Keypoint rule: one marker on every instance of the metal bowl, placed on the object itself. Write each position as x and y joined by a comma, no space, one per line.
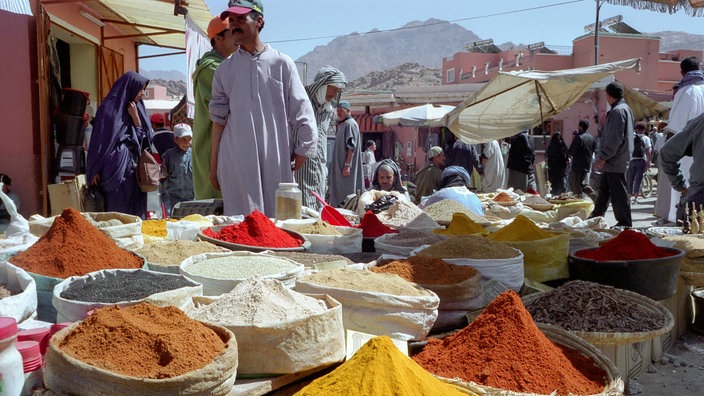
236,246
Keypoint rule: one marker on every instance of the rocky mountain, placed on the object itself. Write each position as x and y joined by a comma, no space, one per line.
424,43
410,55
407,74
670,40
169,75
174,88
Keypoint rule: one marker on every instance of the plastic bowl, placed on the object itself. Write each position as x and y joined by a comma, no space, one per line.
654,278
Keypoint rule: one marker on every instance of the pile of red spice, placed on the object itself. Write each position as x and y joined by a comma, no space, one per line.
74,247
627,245
504,349
255,230
372,227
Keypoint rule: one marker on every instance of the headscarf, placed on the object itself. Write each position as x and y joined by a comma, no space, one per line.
327,75
397,176
454,176
113,130
691,78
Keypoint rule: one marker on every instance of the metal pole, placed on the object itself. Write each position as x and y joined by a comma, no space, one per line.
596,33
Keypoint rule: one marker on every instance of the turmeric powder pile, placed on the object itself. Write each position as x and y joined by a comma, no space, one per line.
461,225
521,229
379,368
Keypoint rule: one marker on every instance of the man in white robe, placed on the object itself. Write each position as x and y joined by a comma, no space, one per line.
263,123
687,104
493,165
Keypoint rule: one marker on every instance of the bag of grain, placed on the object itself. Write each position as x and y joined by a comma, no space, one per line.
221,272
325,238
380,304
284,332
21,304
493,260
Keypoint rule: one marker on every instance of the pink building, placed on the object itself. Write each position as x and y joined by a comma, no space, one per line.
659,71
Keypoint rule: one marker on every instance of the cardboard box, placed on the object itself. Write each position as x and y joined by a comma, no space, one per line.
68,194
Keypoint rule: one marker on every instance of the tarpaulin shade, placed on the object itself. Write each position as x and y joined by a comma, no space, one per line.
691,7
515,101
151,21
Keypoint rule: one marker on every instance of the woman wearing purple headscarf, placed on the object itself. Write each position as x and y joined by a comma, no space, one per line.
121,129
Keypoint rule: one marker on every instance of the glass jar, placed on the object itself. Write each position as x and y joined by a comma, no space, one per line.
288,201
11,368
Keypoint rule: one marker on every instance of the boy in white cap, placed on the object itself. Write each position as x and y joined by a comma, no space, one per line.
178,185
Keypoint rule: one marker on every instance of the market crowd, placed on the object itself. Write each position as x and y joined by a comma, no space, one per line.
256,125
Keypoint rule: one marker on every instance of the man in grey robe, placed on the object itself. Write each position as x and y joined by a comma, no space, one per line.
346,175
324,90
263,122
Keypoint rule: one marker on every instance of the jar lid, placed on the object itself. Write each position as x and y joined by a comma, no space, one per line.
288,184
8,327
31,355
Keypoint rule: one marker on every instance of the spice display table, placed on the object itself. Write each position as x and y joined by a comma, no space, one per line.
262,386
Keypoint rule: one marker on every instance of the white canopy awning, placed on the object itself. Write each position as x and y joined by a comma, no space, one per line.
515,101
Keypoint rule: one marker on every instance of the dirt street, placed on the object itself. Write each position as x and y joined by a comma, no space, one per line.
680,372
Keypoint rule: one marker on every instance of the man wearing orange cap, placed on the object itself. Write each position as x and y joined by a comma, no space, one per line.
223,42
263,122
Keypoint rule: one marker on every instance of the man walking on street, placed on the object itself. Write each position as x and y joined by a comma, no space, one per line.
612,159
582,152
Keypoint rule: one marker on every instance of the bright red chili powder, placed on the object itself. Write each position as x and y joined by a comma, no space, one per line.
255,230
628,245
372,227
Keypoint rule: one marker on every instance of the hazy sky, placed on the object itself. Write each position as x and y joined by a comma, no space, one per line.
296,27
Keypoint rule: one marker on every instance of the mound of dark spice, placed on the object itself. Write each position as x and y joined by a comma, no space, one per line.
124,286
591,307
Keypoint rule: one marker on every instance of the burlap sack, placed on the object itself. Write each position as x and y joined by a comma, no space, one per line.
65,375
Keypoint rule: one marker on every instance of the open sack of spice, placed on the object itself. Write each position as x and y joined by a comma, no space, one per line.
265,315
124,229
376,303
76,296
189,358
325,238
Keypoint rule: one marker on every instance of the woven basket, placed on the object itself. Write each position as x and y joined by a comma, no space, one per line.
614,385
611,338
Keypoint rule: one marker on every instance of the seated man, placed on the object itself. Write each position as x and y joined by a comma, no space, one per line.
387,177
454,185
429,177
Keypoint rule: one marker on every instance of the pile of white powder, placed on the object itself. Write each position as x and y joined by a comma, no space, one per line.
260,302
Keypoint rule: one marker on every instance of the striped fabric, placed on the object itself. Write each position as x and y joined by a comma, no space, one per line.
313,175
16,6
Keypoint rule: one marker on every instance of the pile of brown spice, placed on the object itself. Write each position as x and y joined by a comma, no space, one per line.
426,270
503,198
74,247
143,341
